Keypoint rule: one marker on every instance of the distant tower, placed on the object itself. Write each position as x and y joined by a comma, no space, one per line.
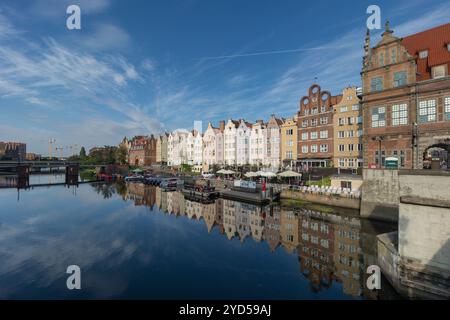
367,51
198,126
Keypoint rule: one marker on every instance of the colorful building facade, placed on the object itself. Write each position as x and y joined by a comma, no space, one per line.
348,131
406,97
315,128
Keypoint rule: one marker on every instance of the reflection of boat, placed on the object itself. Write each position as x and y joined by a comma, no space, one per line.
154,181
202,192
171,183
201,200
134,178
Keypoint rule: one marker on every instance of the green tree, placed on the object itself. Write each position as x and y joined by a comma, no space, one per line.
121,155
82,153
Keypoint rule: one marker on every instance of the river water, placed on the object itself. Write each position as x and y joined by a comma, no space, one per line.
139,242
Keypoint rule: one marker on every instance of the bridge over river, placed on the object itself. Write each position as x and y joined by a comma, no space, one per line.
8,165
20,171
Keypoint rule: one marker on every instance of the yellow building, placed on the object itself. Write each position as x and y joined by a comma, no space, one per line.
289,134
348,131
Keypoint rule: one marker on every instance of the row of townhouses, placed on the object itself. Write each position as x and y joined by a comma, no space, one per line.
402,110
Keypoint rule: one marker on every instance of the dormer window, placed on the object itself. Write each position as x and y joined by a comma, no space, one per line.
438,71
423,54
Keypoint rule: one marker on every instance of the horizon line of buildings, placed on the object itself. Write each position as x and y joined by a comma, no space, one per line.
271,144
402,110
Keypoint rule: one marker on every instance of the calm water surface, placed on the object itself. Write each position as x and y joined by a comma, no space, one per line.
138,242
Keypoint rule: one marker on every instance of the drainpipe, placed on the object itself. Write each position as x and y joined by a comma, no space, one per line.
416,126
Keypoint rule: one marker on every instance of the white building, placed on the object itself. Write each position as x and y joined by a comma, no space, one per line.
213,147
190,147
273,143
177,148
198,151
243,214
230,142
257,138
243,142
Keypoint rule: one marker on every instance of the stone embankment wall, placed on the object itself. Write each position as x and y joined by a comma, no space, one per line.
417,258
380,195
330,200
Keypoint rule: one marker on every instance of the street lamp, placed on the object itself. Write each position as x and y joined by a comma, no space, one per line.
379,139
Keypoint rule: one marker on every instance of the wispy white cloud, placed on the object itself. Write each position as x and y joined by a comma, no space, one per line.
334,64
434,17
46,72
148,64
106,37
267,53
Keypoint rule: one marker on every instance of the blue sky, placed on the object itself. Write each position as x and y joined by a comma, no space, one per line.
141,67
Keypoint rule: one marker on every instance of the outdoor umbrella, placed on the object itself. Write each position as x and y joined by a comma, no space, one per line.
268,174
289,174
251,174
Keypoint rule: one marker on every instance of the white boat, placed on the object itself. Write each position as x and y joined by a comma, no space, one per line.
134,178
171,183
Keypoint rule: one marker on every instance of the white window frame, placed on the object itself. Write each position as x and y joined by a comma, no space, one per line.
428,111
442,73
447,108
375,118
400,114
423,54
324,134
304,136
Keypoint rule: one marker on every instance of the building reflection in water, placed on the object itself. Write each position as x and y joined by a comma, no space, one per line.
329,245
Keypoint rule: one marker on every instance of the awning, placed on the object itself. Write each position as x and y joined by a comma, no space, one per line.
289,174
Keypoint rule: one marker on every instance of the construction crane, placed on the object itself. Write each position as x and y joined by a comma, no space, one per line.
50,149
60,152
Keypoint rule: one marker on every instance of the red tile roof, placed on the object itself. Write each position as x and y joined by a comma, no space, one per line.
434,40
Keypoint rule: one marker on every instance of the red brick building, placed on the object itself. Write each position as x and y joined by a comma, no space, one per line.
316,249
406,97
142,151
13,151
315,128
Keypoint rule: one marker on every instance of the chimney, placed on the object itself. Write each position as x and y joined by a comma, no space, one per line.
222,125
